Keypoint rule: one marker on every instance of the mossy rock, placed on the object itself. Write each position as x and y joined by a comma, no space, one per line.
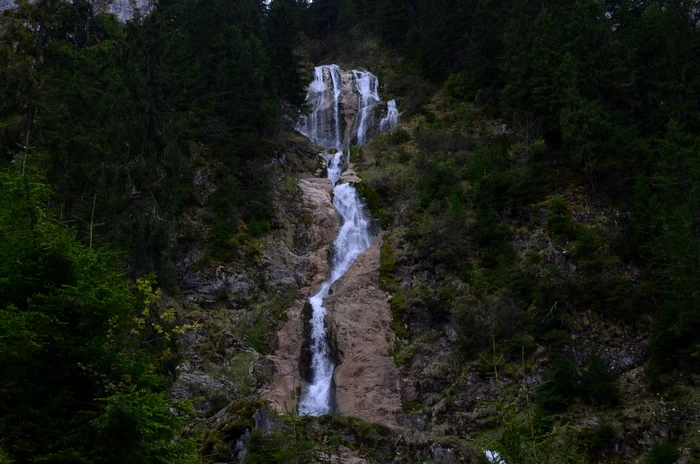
374,204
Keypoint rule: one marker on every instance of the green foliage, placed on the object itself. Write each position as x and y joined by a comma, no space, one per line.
126,114
521,432
83,352
598,383
561,385
387,265
598,441
559,219
572,75
269,448
399,136
662,453
374,203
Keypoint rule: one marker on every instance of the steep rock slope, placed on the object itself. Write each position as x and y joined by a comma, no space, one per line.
359,317
323,222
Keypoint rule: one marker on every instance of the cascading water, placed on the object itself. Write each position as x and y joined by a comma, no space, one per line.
368,87
324,126
391,120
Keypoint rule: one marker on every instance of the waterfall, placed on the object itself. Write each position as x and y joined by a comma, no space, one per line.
325,127
391,120
367,86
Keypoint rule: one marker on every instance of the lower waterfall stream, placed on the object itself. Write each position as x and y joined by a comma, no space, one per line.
326,126
352,240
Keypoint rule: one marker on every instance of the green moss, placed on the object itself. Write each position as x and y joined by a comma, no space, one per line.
356,154
374,203
403,353
398,306
255,336
387,265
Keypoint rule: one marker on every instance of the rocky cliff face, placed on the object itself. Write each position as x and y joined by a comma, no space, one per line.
322,223
352,334
359,317
347,108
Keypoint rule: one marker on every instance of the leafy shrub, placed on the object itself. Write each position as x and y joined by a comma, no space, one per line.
662,453
399,136
386,269
598,383
598,441
438,140
460,87
559,219
275,448
491,317
374,204
561,385
588,245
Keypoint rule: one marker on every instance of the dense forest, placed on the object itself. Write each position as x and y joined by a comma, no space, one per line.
104,126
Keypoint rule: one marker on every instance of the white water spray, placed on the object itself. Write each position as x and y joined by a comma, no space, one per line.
391,120
367,86
325,127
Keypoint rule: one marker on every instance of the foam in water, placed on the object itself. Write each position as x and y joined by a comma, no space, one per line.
323,126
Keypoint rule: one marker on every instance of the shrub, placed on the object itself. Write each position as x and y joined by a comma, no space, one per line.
561,385
436,140
598,441
386,269
399,136
598,383
559,219
662,453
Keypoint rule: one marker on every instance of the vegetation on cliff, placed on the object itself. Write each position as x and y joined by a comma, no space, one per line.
541,196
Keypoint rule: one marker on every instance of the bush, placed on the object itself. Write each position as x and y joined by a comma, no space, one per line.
598,441
399,136
435,140
662,453
387,265
561,385
598,383
559,219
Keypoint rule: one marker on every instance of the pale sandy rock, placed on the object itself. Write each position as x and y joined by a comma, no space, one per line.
349,176
349,101
286,379
324,223
366,378
317,201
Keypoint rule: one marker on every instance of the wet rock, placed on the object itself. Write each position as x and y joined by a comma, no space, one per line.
366,378
321,228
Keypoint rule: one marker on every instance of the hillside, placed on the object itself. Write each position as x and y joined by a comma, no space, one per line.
349,231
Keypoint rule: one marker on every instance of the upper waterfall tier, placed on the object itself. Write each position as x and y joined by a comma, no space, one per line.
346,108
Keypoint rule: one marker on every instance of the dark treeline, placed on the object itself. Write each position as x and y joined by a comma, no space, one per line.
124,112
611,87
103,126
